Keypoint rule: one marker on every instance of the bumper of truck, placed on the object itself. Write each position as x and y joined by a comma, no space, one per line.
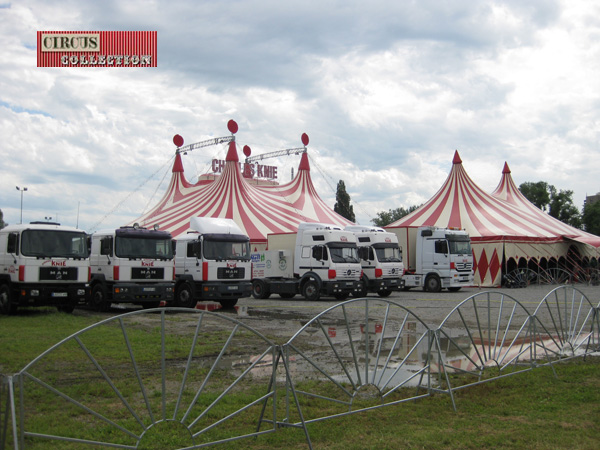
342,287
221,290
50,295
140,293
386,284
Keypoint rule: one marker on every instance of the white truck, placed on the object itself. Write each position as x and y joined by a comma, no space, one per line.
131,264
212,262
381,260
320,259
43,264
436,258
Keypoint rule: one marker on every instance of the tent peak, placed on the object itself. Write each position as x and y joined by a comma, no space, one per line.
456,159
304,162
232,153
506,169
177,165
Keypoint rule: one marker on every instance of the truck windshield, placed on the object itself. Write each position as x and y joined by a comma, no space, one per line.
388,253
461,247
343,253
143,247
220,249
54,244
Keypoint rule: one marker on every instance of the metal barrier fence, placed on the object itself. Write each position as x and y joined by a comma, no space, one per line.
169,375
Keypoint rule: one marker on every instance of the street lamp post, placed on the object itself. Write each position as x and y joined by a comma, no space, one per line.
21,190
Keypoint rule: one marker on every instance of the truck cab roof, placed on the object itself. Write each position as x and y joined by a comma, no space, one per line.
39,226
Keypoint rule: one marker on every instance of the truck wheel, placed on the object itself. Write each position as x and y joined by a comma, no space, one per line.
229,303
184,297
99,300
6,307
260,289
311,290
384,293
432,284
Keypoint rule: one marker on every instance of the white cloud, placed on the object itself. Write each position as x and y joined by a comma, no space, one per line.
386,91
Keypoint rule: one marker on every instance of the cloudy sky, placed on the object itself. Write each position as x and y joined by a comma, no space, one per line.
386,91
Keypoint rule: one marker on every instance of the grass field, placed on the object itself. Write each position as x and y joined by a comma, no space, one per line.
534,410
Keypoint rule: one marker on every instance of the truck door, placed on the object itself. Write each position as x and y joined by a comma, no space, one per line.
441,258
193,259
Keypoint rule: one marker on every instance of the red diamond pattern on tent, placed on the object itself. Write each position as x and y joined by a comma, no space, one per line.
482,265
494,266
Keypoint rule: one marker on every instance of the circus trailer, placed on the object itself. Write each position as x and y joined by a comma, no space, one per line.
381,260
43,264
212,262
320,259
436,258
131,264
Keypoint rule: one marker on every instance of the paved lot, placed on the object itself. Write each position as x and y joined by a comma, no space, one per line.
285,316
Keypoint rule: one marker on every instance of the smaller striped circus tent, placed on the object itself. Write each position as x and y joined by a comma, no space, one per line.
506,229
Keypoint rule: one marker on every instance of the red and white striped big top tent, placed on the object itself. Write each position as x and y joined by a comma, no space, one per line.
258,210
503,225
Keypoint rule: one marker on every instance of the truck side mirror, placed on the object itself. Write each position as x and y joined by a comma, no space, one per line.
106,246
441,247
317,252
371,254
12,246
198,249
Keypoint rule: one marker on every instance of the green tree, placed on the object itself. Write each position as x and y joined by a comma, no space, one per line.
562,207
558,203
386,217
537,193
2,223
342,202
591,218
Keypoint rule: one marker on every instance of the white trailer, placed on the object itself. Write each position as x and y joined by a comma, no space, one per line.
381,260
436,258
43,264
320,259
212,262
131,265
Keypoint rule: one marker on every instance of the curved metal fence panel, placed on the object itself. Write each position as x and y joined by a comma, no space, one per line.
569,323
136,377
357,355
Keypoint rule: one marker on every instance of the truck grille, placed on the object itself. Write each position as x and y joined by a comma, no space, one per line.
147,273
392,272
58,273
348,274
462,267
231,273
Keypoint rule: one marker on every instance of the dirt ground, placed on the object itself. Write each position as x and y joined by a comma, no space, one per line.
281,318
